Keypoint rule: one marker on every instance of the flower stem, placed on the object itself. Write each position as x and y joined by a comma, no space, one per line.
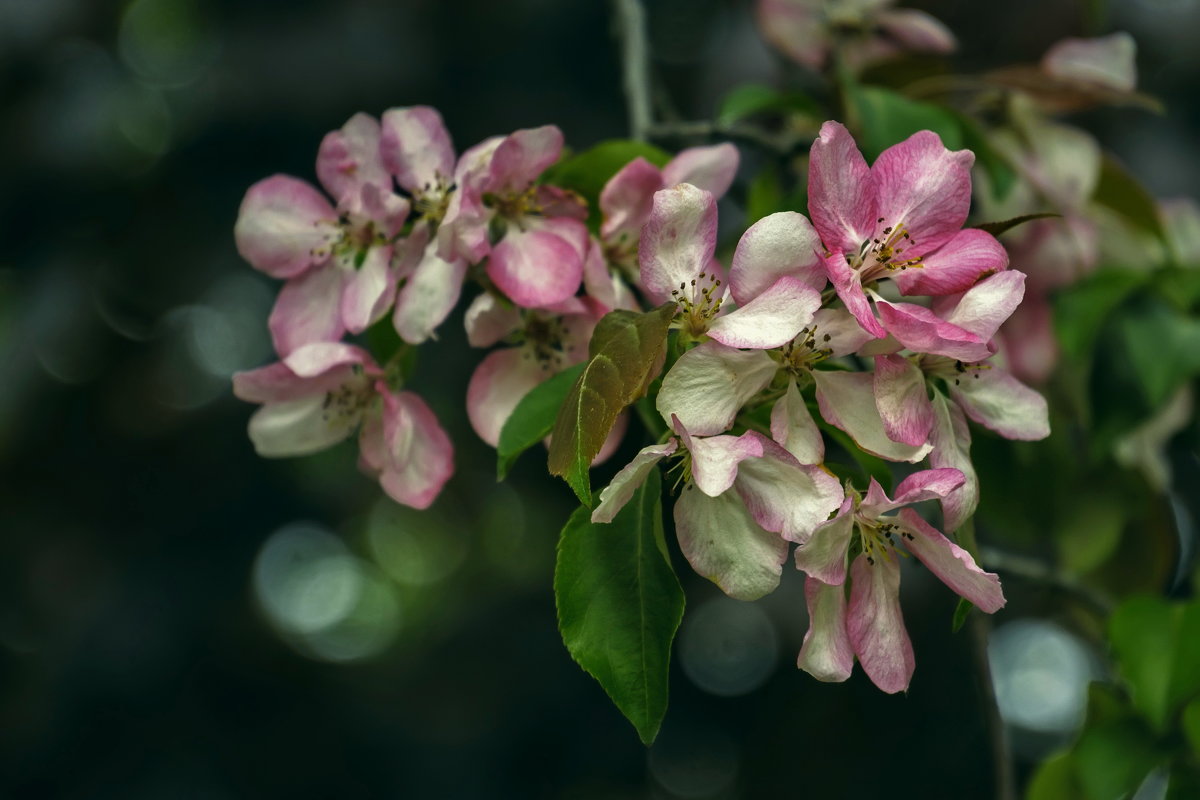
630,20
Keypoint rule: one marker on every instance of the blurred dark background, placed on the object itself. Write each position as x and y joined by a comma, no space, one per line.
181,619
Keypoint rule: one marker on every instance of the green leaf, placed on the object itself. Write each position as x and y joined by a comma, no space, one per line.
765,195
1163,347
961,612
1081,310
997,228
620,604
1055,780
626,353
1090,533
888,118
1113,758
1191,725
533,418
1157,644
1120,191
753,98
587,172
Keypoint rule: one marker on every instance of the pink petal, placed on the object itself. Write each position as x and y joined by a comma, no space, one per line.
421,457
489,319
556,202
275,383
951,440
955,266
299,427
536,267
428,296
826,654
1108,61
497,385
522,157
626,199
784,496
318,358
985,307
349,158
922,331
847,401
925,187
1027,341
839,332
709,168
841,191
954,566
902,400
715,459
463,232
823,556
722,543
778,244
772,319
998,401
875,623
916,30
308,309
416,147
709,384
284,226
793,427
369,292
796,28
618,492
678,240
930,484
848,285
603,285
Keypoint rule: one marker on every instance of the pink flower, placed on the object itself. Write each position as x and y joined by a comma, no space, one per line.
775,277
951,355
321,393
337,262
547,341
901,218
415,147
807,30
744,499
538,258
625,205
872,626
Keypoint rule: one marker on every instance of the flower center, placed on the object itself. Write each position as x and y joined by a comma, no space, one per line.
951,370
346,403
349,242
875,537
699,301
884,254
514,206
433,199
548,340
809,348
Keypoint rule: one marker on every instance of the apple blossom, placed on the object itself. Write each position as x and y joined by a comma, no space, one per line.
321,393
871,626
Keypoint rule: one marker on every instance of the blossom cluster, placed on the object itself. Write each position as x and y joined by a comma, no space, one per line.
885,275
878,317
403,226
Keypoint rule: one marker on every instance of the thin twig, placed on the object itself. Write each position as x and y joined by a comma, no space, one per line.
635,65
997,734
1037,571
